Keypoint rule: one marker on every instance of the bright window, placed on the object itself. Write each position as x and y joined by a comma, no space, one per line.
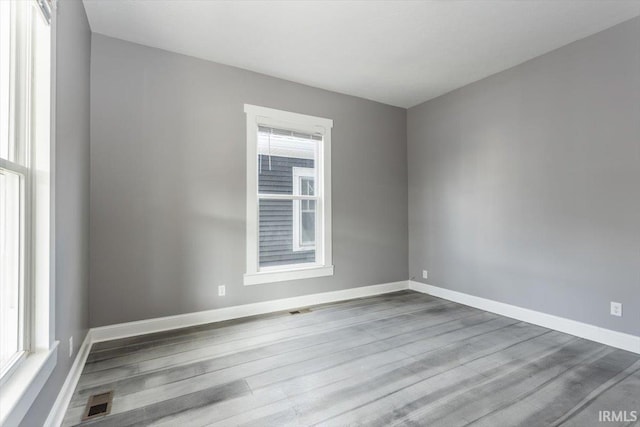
304,211
288,196
25,77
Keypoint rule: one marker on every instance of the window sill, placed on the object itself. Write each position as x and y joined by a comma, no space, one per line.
23,386
284,275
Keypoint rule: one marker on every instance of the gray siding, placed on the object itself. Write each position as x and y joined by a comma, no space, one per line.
276,216
276,177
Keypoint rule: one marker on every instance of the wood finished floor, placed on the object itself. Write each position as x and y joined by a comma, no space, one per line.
397,359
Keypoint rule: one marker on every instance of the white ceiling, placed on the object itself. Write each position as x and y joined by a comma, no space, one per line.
397,52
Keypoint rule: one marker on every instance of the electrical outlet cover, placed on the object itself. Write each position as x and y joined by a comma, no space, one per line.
616,309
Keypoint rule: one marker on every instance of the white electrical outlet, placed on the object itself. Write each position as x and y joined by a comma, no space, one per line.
425,274
70,346
616,309
222,290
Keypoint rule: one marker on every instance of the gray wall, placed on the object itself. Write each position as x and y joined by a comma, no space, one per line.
168,184
524,187
72,197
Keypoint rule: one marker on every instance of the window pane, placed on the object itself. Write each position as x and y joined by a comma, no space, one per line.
308,228
306,186
5,72
279,152
276,235
17,62
10,265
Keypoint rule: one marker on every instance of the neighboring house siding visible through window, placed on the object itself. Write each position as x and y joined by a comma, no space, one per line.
277,216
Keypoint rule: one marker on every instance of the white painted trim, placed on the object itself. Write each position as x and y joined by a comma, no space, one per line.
53,172
583,330
252,194
21,389
59,408
141,327
298,173
302,122
25,383
289,274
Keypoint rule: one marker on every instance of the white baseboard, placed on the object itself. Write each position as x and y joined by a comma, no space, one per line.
122,330
583,330
59,408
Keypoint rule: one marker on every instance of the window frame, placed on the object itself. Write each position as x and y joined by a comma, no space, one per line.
263,116
297,174
18,124
22,383
25,284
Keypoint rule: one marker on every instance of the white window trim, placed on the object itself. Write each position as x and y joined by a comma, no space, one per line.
297,173
298,122
23,385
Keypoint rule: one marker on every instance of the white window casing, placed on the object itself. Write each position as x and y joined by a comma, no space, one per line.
261,116
28,111
299,174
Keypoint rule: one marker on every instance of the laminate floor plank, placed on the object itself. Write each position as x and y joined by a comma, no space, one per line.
312,356
255,325
620,395
547,403
262,319
503,391
445,380
239,330
355,390
246,339
340,365
402,358
215,349
334,380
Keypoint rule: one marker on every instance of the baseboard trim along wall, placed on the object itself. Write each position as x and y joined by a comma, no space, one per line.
59,408
583,330
124,330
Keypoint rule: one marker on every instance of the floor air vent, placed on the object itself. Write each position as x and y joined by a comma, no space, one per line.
98,405
300,311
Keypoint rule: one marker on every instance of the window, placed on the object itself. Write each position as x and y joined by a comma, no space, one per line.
304,211
25,109
288,196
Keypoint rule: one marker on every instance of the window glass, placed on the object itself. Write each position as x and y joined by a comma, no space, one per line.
276,235
279,151
10,266
306,212
286,167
